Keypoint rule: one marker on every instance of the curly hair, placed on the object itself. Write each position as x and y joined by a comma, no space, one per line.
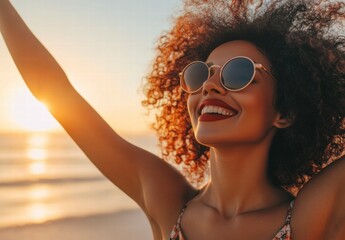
302,40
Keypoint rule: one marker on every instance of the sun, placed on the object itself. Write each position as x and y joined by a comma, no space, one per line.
29,114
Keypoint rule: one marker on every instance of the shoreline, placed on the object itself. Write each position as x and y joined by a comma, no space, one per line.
126,224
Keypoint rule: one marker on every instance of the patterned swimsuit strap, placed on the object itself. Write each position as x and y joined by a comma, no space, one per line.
185,207
288,217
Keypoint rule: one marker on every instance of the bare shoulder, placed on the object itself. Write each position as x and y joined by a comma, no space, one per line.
319,209
165,196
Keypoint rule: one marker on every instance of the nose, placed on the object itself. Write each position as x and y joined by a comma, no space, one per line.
213,83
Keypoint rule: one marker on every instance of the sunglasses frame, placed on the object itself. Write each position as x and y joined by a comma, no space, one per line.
211,65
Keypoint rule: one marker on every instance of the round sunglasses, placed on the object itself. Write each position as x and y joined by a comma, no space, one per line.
235,75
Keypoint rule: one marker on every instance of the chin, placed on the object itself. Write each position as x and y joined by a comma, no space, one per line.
212,138
222,138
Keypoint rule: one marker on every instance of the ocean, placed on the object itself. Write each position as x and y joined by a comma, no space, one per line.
45,176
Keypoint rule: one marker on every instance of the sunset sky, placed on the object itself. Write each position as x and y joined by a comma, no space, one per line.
104,46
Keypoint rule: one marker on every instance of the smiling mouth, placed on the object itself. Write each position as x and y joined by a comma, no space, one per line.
216,110
213,110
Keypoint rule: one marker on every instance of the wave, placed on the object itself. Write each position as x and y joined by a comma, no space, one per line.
51,181
19,161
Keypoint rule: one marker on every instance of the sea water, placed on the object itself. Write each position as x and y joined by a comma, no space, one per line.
46,177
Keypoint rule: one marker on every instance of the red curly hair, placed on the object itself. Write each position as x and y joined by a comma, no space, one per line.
300,39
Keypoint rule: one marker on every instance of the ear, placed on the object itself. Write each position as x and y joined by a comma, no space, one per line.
283,122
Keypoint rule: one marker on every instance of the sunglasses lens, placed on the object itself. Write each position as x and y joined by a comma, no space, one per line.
194,76
237,73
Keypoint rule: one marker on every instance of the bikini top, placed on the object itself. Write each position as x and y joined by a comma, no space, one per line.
284,233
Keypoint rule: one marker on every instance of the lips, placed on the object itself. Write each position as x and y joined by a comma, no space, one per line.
214,110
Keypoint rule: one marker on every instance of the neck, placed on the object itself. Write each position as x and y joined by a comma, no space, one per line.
239,181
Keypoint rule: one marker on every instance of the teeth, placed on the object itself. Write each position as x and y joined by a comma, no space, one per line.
217,110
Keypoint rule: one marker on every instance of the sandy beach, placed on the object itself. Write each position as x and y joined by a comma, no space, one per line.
126,225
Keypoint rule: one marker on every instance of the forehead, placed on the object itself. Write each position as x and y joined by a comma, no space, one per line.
231,49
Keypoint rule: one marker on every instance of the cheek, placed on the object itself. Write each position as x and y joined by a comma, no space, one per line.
191,106
260,109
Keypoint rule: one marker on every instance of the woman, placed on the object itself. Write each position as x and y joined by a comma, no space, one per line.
263,84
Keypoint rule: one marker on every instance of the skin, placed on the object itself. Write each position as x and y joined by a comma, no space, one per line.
239,202
239,146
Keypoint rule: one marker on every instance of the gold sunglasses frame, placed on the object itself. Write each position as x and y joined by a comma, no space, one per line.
210,65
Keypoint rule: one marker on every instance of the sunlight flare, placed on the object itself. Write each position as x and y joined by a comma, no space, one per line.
37,168
36,154
37,212
30,114
39,193
37,140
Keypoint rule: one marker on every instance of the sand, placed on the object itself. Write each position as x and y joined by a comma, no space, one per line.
124,225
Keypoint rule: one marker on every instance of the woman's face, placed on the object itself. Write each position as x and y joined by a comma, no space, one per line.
252,114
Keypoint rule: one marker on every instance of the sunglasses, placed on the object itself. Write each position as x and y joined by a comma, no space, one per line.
235,75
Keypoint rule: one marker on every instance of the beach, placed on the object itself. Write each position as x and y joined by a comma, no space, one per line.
50,190
127,224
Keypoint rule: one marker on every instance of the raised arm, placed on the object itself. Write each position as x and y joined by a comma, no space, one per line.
137,172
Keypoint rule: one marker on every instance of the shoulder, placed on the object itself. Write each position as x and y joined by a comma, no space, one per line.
165,199
319,209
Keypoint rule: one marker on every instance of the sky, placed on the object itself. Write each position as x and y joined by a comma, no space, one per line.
105,47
